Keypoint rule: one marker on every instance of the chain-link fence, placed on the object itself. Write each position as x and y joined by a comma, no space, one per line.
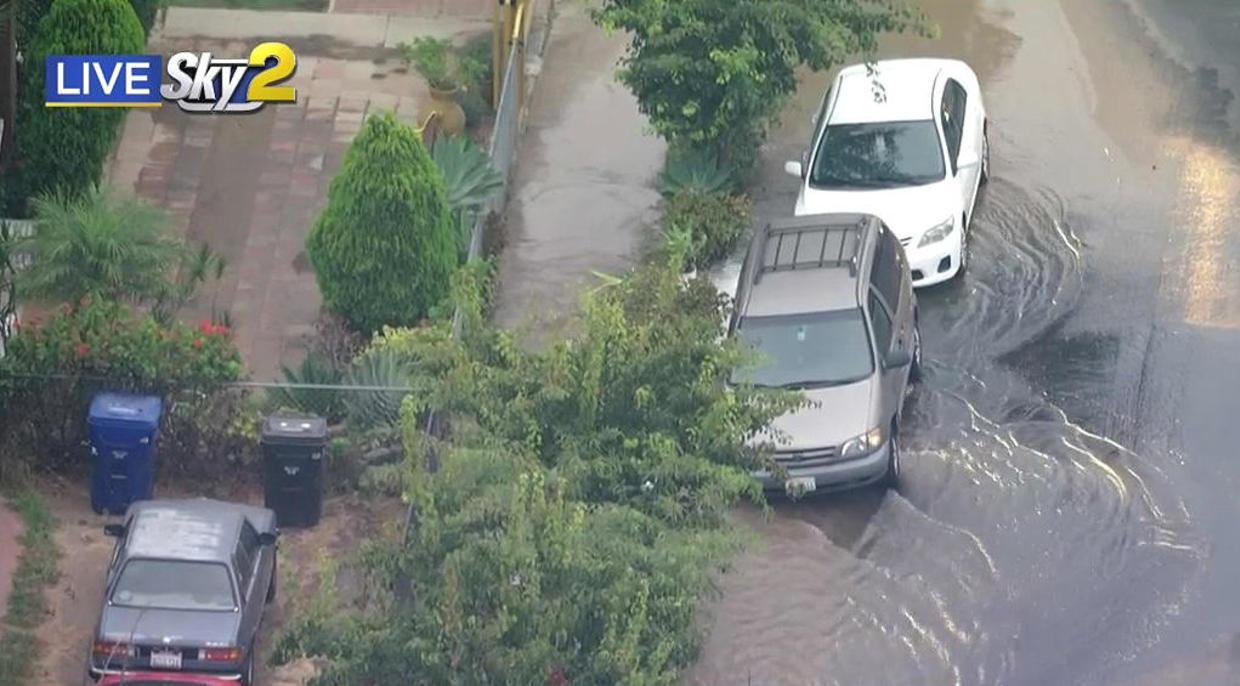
502,150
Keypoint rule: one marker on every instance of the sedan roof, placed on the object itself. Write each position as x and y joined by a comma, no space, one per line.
899,90
195,529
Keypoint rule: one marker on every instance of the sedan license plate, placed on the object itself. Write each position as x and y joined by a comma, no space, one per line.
168,660
801,484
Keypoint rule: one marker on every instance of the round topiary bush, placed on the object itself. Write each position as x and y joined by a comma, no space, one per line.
383,250
64,149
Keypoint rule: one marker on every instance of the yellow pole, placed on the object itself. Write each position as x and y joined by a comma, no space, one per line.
518,39
497,53
510,11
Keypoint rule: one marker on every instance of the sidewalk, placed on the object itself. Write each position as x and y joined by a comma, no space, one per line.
307,30
582,195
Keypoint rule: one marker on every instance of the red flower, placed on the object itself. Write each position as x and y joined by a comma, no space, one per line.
204,326
197,342
82,349
84,301
556,677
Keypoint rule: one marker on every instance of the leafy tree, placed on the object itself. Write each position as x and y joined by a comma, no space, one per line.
714,74
63,149
577,519
116,248
383,249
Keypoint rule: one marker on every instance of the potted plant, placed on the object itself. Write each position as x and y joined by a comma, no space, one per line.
435,60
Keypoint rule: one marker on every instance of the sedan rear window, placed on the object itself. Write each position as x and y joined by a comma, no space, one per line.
881,155
174,585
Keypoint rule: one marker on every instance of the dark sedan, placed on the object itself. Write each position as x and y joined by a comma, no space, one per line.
186,589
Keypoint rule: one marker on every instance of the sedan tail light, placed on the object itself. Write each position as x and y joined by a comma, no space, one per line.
110,649
229,654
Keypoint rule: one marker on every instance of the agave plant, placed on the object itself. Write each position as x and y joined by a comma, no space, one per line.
696,168
471,180
467,172
375,408
322,402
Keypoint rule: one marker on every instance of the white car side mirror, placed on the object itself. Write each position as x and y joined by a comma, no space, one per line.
794,168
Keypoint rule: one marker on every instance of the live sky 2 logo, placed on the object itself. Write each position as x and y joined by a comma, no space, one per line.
198,82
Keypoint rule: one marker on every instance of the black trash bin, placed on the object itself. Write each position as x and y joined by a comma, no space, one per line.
293,449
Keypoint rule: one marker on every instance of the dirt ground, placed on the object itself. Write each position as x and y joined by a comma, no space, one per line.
10,532
74,601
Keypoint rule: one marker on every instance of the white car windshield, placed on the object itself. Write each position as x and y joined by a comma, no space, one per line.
807,350
879,155
174,585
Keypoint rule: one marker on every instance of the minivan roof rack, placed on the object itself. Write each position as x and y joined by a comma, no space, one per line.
811,242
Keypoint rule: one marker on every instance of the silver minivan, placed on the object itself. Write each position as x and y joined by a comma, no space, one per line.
828,302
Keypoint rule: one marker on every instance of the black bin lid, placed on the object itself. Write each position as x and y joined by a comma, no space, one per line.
294,430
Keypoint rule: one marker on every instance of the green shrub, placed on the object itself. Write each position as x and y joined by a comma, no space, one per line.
147,11
96,244
476,69
698,168
53,369
59,148
435,60
516,581
37,568
713,223
314,369
715,74
383,249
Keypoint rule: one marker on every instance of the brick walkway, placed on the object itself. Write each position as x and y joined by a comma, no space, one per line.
251,185
418,8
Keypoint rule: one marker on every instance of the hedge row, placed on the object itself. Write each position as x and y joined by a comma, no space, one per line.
65,149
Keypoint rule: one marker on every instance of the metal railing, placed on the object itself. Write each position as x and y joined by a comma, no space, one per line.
502,149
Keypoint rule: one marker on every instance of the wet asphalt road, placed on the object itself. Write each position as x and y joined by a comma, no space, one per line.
1071,504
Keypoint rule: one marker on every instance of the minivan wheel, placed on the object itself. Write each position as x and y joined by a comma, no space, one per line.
892,479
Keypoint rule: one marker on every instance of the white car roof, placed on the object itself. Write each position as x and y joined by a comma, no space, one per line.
908,87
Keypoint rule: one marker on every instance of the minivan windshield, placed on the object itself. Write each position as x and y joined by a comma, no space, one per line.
807,350
879,155
174,585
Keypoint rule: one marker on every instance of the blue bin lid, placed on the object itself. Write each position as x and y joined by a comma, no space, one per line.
126,408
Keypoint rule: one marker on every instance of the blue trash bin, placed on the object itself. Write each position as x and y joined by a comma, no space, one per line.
123,431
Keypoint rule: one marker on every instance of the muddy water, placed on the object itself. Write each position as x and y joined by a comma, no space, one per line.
1030,542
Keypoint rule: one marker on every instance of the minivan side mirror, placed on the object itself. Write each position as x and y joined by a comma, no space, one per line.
266,538
794,168
116,530
898,358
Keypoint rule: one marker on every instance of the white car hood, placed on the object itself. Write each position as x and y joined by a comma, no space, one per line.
907,211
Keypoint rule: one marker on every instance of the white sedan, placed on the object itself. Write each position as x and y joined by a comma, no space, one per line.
907,143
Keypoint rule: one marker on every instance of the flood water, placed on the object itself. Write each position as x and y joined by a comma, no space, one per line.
1067,501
